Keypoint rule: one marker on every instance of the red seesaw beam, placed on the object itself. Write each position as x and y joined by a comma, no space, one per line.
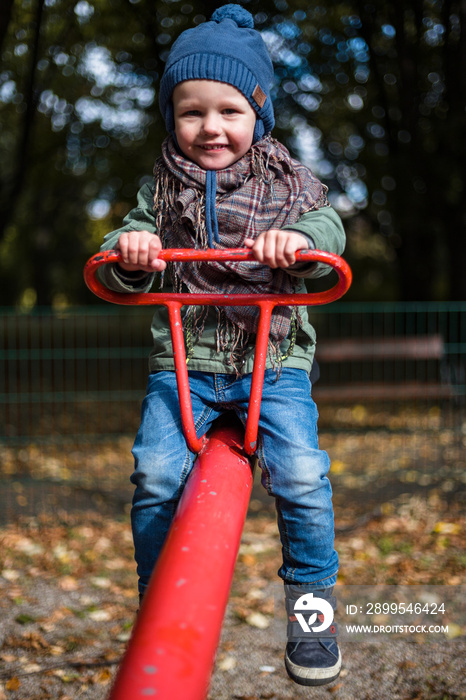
173,645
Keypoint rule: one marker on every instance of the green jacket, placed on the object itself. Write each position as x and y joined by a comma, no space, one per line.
322,228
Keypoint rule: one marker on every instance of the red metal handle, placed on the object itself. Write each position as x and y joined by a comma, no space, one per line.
265,302
213,255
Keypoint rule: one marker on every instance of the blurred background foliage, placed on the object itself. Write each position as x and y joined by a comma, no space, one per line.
370,95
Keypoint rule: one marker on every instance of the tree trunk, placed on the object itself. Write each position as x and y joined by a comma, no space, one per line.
11,190
456,236
6,7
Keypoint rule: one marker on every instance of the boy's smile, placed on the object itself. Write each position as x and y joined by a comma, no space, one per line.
214,123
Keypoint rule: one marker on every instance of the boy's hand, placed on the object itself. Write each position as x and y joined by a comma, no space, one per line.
140,250
277,248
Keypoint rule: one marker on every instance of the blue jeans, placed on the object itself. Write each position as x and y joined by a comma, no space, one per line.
293,467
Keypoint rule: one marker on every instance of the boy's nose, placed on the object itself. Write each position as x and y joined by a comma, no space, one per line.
211,124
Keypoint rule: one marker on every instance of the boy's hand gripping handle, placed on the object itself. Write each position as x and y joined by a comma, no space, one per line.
266,303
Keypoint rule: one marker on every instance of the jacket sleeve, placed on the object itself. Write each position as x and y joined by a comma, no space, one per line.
141,218
324,230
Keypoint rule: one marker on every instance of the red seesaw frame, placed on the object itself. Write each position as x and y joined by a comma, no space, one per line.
173,644
265,302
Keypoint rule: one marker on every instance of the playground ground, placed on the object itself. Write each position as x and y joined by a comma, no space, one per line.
67,580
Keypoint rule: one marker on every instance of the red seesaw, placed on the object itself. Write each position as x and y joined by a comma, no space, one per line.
172,648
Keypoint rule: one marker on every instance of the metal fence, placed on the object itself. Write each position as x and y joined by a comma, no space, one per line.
72,375
80,374
71,384
393,352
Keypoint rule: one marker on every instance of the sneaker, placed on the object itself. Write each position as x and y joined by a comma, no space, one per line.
317,662
311,658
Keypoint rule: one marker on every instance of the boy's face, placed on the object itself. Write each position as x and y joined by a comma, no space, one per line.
214,123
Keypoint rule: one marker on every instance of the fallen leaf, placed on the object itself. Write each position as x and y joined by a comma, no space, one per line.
335,688
248,559
32,640
27,546
101,582
103,677
447,528
123,637
100,615
24,619
65,676
11,574
13,683
454,630
338,467
259,620
227,663
68,583
31,668
57,650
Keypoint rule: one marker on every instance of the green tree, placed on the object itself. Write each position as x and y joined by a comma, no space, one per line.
371,95
76,107
383,84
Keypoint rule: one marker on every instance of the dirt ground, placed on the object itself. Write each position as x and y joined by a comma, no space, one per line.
67,579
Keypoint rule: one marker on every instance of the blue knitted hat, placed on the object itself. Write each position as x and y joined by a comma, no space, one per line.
227,49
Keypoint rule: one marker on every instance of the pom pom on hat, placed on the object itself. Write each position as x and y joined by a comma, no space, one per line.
238,14
227,49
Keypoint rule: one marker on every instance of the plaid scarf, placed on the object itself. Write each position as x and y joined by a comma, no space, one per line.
265,189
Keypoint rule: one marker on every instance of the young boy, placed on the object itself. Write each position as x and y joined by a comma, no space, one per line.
223,182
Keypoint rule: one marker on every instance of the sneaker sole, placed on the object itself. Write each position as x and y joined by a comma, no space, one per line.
313,676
